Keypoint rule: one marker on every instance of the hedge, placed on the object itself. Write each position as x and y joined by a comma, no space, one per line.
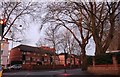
118,57
104,58
89,59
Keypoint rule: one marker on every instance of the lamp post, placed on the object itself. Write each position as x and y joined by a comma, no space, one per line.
65,58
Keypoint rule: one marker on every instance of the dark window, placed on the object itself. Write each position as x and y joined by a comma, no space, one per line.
42,59
16,62
23,57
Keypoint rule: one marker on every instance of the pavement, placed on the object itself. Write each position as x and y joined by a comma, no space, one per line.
52,73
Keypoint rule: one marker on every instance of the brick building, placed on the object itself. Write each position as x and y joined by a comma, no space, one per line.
71,59
34,57
24,54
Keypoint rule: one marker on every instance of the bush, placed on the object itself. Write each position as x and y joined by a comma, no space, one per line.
103,59
100,59
118,57
89,59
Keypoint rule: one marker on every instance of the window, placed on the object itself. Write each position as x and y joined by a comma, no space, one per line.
28,59
34,59
24,53
23,62
38,59
45,54
28,53
23,57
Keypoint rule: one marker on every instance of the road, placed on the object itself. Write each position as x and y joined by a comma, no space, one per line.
53,73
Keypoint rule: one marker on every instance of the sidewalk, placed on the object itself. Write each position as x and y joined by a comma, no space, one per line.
49,72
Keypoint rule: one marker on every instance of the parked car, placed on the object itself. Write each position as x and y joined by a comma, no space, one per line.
16,66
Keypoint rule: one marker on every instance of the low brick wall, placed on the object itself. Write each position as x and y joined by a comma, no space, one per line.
45,67
104,69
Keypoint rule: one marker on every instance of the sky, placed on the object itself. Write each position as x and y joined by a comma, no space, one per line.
32,35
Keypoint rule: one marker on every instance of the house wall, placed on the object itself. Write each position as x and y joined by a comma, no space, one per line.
15,55
73,60
57,60
5,54
62,59
30,57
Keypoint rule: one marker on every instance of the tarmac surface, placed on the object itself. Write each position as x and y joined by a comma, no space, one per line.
52,73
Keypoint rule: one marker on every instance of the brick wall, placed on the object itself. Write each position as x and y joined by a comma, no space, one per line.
104,69
15,55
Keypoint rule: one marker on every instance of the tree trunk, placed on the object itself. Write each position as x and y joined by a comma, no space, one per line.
84,64
98,49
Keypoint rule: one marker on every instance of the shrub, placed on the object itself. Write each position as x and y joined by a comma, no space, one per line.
103,59
118,57
89,59
100,59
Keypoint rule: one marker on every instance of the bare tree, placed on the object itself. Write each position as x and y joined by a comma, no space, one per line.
69,16
103,21
52,37
41,42
115,43
14,11
69,44
92,17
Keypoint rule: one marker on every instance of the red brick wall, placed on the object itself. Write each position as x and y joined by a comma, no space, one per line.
15,55
104,69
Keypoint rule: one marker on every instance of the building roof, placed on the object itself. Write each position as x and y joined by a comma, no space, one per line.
114,51
40,50
62,54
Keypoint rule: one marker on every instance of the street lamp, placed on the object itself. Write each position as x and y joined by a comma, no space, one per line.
65,58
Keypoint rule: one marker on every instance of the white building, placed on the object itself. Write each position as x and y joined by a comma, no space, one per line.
5,54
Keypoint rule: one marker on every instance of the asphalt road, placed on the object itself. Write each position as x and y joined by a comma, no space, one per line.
53,73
